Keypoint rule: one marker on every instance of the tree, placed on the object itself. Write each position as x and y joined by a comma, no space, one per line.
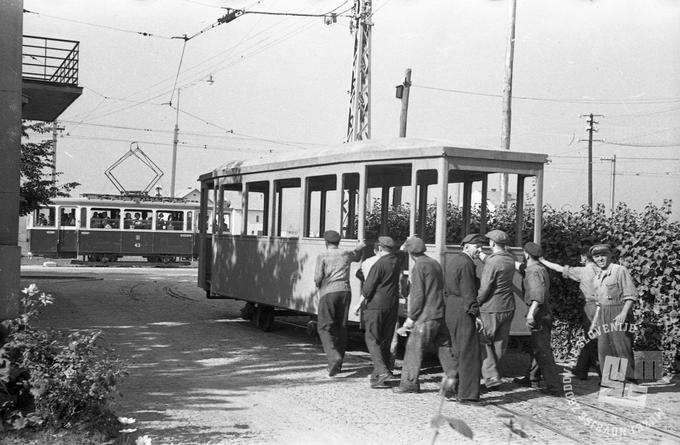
37,187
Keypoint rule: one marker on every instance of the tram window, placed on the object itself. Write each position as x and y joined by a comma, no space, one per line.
350,203
67,216
44,217
104,218
169,219
190,226
385,213
258,201
464,209
207,222
426,206
287,207
322,210
229,202
137,219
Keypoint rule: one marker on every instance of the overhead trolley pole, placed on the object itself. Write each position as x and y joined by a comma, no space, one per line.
359,122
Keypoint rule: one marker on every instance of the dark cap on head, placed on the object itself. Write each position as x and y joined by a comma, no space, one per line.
386,241
533,249
331,236
414,245
498,236
473,238
600,249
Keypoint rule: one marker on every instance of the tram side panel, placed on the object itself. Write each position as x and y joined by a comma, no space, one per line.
136,243
176,244
68,243
43,241
93,242
276,272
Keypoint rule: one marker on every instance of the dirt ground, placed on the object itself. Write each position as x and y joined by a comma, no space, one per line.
200,374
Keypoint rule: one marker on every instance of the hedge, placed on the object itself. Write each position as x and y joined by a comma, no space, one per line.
647,242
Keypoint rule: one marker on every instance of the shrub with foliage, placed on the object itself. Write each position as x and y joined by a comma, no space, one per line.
53,378
647,242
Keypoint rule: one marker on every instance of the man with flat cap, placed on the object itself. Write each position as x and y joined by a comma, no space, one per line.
381,306
462,312
332,279
496,305
616,293
425,318
536,289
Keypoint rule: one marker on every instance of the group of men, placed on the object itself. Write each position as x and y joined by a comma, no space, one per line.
466,318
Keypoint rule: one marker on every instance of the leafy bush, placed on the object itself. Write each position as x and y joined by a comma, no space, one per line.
53,378
647,243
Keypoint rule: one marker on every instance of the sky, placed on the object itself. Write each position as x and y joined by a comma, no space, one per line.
266,84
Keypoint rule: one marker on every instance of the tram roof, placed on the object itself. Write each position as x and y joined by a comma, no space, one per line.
104,200
371,151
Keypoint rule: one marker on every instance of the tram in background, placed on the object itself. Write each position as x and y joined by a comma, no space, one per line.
356,189
108,227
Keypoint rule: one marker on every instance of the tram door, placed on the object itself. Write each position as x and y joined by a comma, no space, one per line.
66,233
43,233
205,220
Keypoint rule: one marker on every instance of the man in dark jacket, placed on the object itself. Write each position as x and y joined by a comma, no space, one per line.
381,294
425,318
496,305
462,312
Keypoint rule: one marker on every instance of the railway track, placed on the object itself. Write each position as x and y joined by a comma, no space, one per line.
178,264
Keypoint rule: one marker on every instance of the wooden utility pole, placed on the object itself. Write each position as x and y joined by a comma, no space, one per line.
612,159
403,93
507,94
591,128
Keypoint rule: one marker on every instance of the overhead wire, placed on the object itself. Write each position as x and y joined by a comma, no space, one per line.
559,100
111,28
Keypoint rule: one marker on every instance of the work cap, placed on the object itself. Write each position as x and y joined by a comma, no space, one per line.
386,241
600,249
331,236
414,245
473,238
498,236
533,249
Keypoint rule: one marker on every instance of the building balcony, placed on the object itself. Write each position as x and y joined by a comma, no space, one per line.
49,77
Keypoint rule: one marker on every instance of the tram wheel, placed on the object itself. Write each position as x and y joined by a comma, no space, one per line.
265,317
166,259
312,331
248,311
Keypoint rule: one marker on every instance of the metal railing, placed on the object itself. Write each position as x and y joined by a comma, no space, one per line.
50,60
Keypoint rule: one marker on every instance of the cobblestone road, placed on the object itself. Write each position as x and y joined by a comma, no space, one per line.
201,375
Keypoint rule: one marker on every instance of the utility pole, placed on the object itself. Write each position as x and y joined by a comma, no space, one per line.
591,128
507,94
403,93
55,129
612,159
359,122
175,141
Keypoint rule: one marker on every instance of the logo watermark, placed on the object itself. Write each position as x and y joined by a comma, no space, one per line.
615,389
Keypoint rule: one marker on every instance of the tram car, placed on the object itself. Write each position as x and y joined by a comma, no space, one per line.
364,189
106,228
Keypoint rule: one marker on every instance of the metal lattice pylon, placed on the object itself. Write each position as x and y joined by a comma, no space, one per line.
359,124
